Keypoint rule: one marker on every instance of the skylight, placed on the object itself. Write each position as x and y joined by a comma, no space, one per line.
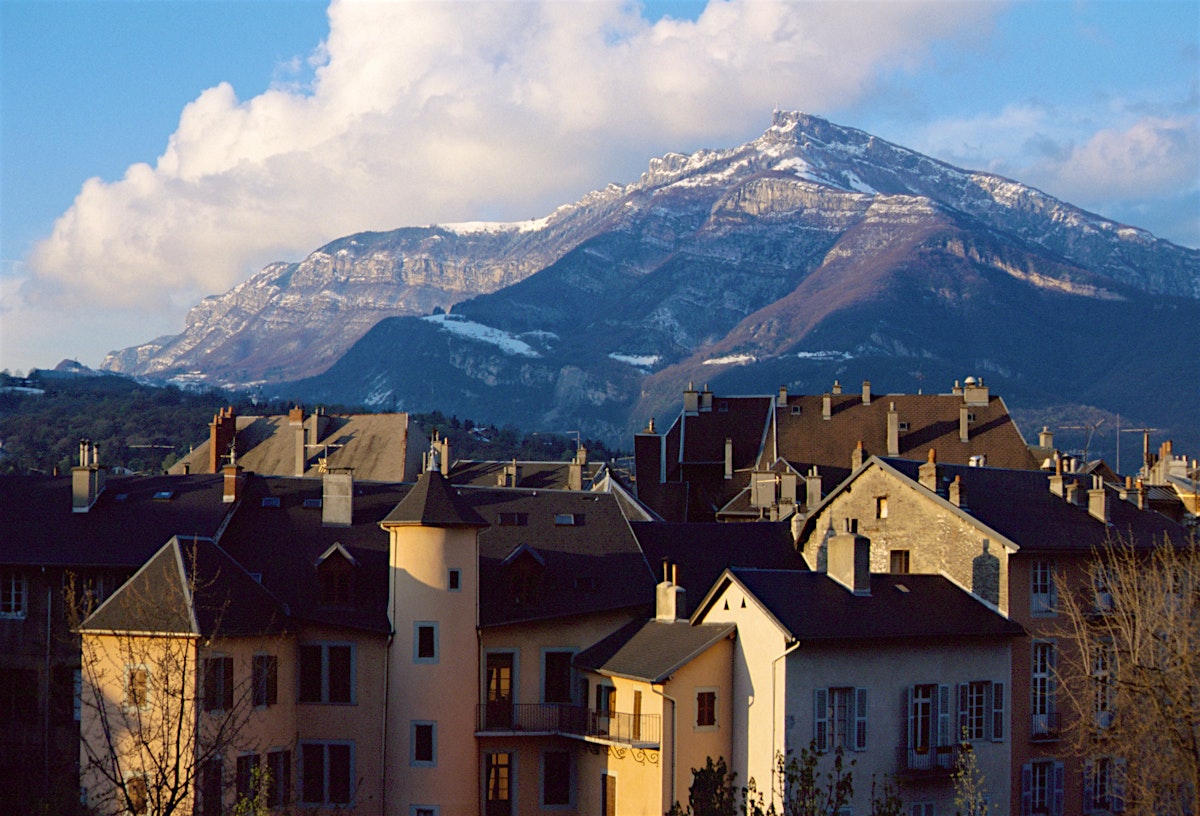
164,495
270,501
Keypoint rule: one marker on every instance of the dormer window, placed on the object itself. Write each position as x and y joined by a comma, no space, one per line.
525,568
568,519
514,519
270,501
335,577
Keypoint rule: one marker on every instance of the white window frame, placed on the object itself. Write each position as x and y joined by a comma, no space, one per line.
14,595
825,718
981,711
1043,685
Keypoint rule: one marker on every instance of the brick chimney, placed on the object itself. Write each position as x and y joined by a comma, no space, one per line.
826,406
87,478
893,431
221,434
670,598
927,473
231,482
1098,500
337,498
866,392
957,493
848,559
964,423
812,485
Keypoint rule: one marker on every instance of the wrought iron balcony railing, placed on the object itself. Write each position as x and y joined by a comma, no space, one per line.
568,720
936,760
1044,727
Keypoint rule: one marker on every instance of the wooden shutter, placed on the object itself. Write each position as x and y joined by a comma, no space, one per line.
1027,789
821,718
1056,803
944,735
997,712
1089,786
860,719
964,708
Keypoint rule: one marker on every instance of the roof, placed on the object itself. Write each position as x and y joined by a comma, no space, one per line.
1018,505
190,587
375,446
285,543
812,606
125,526
590,560
651,650
433,502
702,551
534,475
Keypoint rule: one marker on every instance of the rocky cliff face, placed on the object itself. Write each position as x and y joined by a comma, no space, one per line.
811,252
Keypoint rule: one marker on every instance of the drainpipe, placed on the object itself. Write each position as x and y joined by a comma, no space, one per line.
674,734
46,697
774,712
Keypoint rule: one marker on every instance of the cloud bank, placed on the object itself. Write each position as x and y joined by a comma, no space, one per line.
431,111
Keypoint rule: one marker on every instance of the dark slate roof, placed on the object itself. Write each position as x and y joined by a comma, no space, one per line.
1018,504
124,527
651,650
812,606
433,502
534,475
702,551
805,438
590,566
190,586
284,543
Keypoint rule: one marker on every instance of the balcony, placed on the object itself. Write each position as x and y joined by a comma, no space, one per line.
562,719
1044,727
935,762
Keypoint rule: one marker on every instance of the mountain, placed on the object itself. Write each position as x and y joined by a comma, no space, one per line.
813,252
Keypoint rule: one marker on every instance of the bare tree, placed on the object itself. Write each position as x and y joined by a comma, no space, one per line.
1132,675
162,705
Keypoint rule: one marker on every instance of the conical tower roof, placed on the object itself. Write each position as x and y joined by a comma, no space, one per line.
434,502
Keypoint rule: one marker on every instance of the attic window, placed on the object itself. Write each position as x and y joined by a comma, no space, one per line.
526,583
722,407
568,519
164,495
121,497
903,426
336,579
970,417
270,501
796,409
313,503
514,519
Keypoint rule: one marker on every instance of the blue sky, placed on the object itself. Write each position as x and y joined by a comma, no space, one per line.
152,153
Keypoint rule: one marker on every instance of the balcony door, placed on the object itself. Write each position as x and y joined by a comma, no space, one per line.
498,784
499,672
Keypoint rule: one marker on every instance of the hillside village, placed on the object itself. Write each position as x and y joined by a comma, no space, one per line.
332,613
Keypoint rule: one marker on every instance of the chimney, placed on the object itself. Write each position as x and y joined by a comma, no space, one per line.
866,392
575,475
728,458
1072,488
964,421
893,431
221,433
958,493
705,400
787,488
87,478
444,464
691,400
837,387
1056,481
812,484
337,498
1046,438
1141,494
1126,489
781,402
231,481
927,473
670,598
848,559
826,406
581,454
1098,500
300,453
512,475
974,391
957,390
858,456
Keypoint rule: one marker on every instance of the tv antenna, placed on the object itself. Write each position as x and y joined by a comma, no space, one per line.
1145,432
1090,427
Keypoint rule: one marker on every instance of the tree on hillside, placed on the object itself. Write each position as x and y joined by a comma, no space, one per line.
1133,676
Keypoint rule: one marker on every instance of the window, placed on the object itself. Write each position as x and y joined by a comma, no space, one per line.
881,507
270,501
556,677
246,782
1042,789
556,779
929,717
454,580
514,519
423,742
266,680
1104,786
326,773
606,699
137,686
1103,687
326,673
525,580
840,718
14,594
279,785
1043,689
922,809
1043,593
336,577
217,677
138,793
18,697
424,810
1103,590
608,795
706,708
497,780
898,562
312,504
425,642
212,787
981,711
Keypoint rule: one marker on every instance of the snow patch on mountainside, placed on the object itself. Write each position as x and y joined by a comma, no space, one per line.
732,359
494,227
506,342
638,360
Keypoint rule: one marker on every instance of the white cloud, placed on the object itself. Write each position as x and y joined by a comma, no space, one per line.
422,112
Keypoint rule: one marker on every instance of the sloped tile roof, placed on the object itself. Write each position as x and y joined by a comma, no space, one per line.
534,475
434,502
651,650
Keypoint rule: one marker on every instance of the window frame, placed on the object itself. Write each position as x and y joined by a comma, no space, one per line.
1043,684
264,674
435,655
413,727
131,701
855,718
216,681
14,594
569,781
326,772
709,708
454,579
326,670
1043,589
